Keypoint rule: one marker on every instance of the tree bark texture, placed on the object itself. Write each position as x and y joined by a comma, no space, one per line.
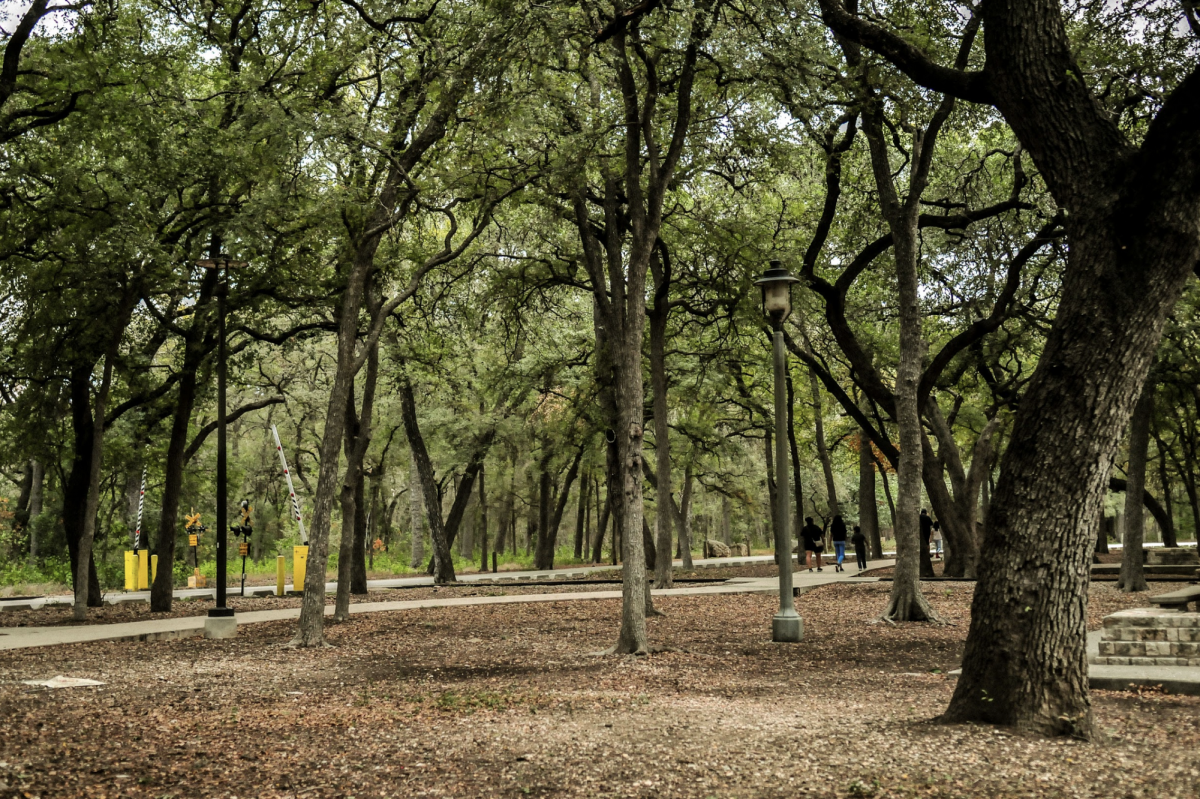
663,570
416,514
1133,234
443,561
79,478
1133,574
868,510
92,503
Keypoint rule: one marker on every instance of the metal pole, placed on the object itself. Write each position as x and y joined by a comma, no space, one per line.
786,627
222,466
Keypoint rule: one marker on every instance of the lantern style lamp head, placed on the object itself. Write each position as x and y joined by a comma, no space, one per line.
776,284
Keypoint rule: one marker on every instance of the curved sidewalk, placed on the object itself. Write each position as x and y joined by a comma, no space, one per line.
192,626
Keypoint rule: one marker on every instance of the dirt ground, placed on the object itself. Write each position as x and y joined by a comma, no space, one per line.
513,701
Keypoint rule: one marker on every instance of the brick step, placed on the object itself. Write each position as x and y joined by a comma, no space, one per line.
1174,649
1106,660
1150,634
1141,618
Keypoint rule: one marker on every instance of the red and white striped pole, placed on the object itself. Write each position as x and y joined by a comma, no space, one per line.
291,490
137,534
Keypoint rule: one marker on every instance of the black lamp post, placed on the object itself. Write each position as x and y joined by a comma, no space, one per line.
221,611
776,285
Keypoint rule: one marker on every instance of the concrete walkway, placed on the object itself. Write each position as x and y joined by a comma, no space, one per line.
488,578
166,629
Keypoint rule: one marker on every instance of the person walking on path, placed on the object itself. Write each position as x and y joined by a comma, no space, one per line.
812,536
860,547
837,533
936,537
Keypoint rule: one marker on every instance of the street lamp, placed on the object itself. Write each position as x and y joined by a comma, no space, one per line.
221,622
776,285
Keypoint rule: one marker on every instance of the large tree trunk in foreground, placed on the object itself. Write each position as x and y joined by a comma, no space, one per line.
1133,233
1133,574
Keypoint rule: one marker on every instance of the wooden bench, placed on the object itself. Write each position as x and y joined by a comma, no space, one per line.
1178,599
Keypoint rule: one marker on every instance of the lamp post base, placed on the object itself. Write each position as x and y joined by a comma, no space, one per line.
220,623
787,627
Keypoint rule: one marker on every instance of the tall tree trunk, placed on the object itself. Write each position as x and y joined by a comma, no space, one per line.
822,448
906,602
357,438
868,510
685,514
443,561
877,546
543,554
604,512
195,347
36,483
795,453
769,457
483,521
726,523
92,504
75,491
1168,532
581,516
662,442
416,514
1133,574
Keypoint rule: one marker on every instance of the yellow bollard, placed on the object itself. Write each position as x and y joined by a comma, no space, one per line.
143,569
299,564
280,574
153,568
130,571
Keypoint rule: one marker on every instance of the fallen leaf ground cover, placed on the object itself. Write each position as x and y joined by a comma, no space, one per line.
513,701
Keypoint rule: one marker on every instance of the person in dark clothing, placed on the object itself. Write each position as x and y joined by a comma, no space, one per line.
860,547
837,534
926,528
812,536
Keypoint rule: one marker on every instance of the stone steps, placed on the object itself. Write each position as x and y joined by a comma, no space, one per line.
1150,637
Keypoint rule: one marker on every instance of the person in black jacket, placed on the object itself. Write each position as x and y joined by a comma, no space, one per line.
860,547
837,533
812,536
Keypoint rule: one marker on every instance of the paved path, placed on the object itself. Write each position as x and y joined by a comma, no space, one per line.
165,629
117,597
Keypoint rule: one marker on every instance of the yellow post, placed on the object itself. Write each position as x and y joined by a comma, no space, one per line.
153,568
143,569
130,571
299,564
280,574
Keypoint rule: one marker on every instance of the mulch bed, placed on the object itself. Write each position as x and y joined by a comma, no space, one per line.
513,701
